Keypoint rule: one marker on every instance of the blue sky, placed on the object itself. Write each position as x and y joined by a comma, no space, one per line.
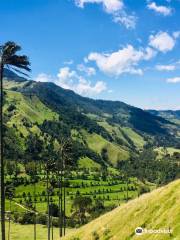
123,50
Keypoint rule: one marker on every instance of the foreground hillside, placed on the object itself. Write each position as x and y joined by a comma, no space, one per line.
159,209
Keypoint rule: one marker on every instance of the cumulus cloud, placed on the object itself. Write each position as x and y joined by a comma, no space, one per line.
110,6
88,70
176,34
125,60
162,41
114,7
129,21
70,79
165,67
166,11
173,80
86,88
43,77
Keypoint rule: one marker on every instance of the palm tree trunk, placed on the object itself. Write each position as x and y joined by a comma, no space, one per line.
2,159
61,207
52,230
48,207
59,198
34,208
64,212
9,229
127,189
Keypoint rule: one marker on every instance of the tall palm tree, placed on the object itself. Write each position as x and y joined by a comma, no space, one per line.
10,59
65,158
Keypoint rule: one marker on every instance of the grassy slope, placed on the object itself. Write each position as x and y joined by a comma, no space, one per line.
32,109
168,150
136,138
115,152
88,163
158,209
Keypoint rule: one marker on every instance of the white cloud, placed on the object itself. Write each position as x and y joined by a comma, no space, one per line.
43,77
173,80
166,11
110,6
123,61
69,79
86,88
70,62
66,73
165,67
162,41
129,21
176,34
114,7
88,70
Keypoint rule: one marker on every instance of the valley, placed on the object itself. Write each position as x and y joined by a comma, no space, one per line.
115,153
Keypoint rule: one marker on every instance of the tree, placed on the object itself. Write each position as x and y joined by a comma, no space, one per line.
10,167
31,169
104,154
82,205
10,59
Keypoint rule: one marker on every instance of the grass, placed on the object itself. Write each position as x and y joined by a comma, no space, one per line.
88,163
115,152
156,210
168,150
111,191
136,138
31,109
25,232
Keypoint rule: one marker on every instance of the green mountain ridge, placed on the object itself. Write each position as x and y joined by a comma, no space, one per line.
115,152
121,129
170,115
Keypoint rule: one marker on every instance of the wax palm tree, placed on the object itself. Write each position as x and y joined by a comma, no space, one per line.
64,159
9,59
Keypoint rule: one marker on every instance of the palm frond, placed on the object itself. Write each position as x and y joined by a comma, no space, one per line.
10,48
19,62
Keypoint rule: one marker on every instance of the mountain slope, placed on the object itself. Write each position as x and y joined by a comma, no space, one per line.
159,209
170,115
99,125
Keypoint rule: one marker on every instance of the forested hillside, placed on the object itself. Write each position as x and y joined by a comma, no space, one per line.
111,152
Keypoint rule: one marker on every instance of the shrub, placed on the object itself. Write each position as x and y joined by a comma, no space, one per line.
143,189
95,236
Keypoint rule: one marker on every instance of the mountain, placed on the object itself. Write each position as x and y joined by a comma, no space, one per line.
156,210
104,131
170,115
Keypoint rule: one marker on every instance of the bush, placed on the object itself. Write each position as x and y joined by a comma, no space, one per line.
95,236
41,219
143,189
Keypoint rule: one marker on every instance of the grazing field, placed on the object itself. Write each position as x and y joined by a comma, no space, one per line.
159,209
26,232
111,191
